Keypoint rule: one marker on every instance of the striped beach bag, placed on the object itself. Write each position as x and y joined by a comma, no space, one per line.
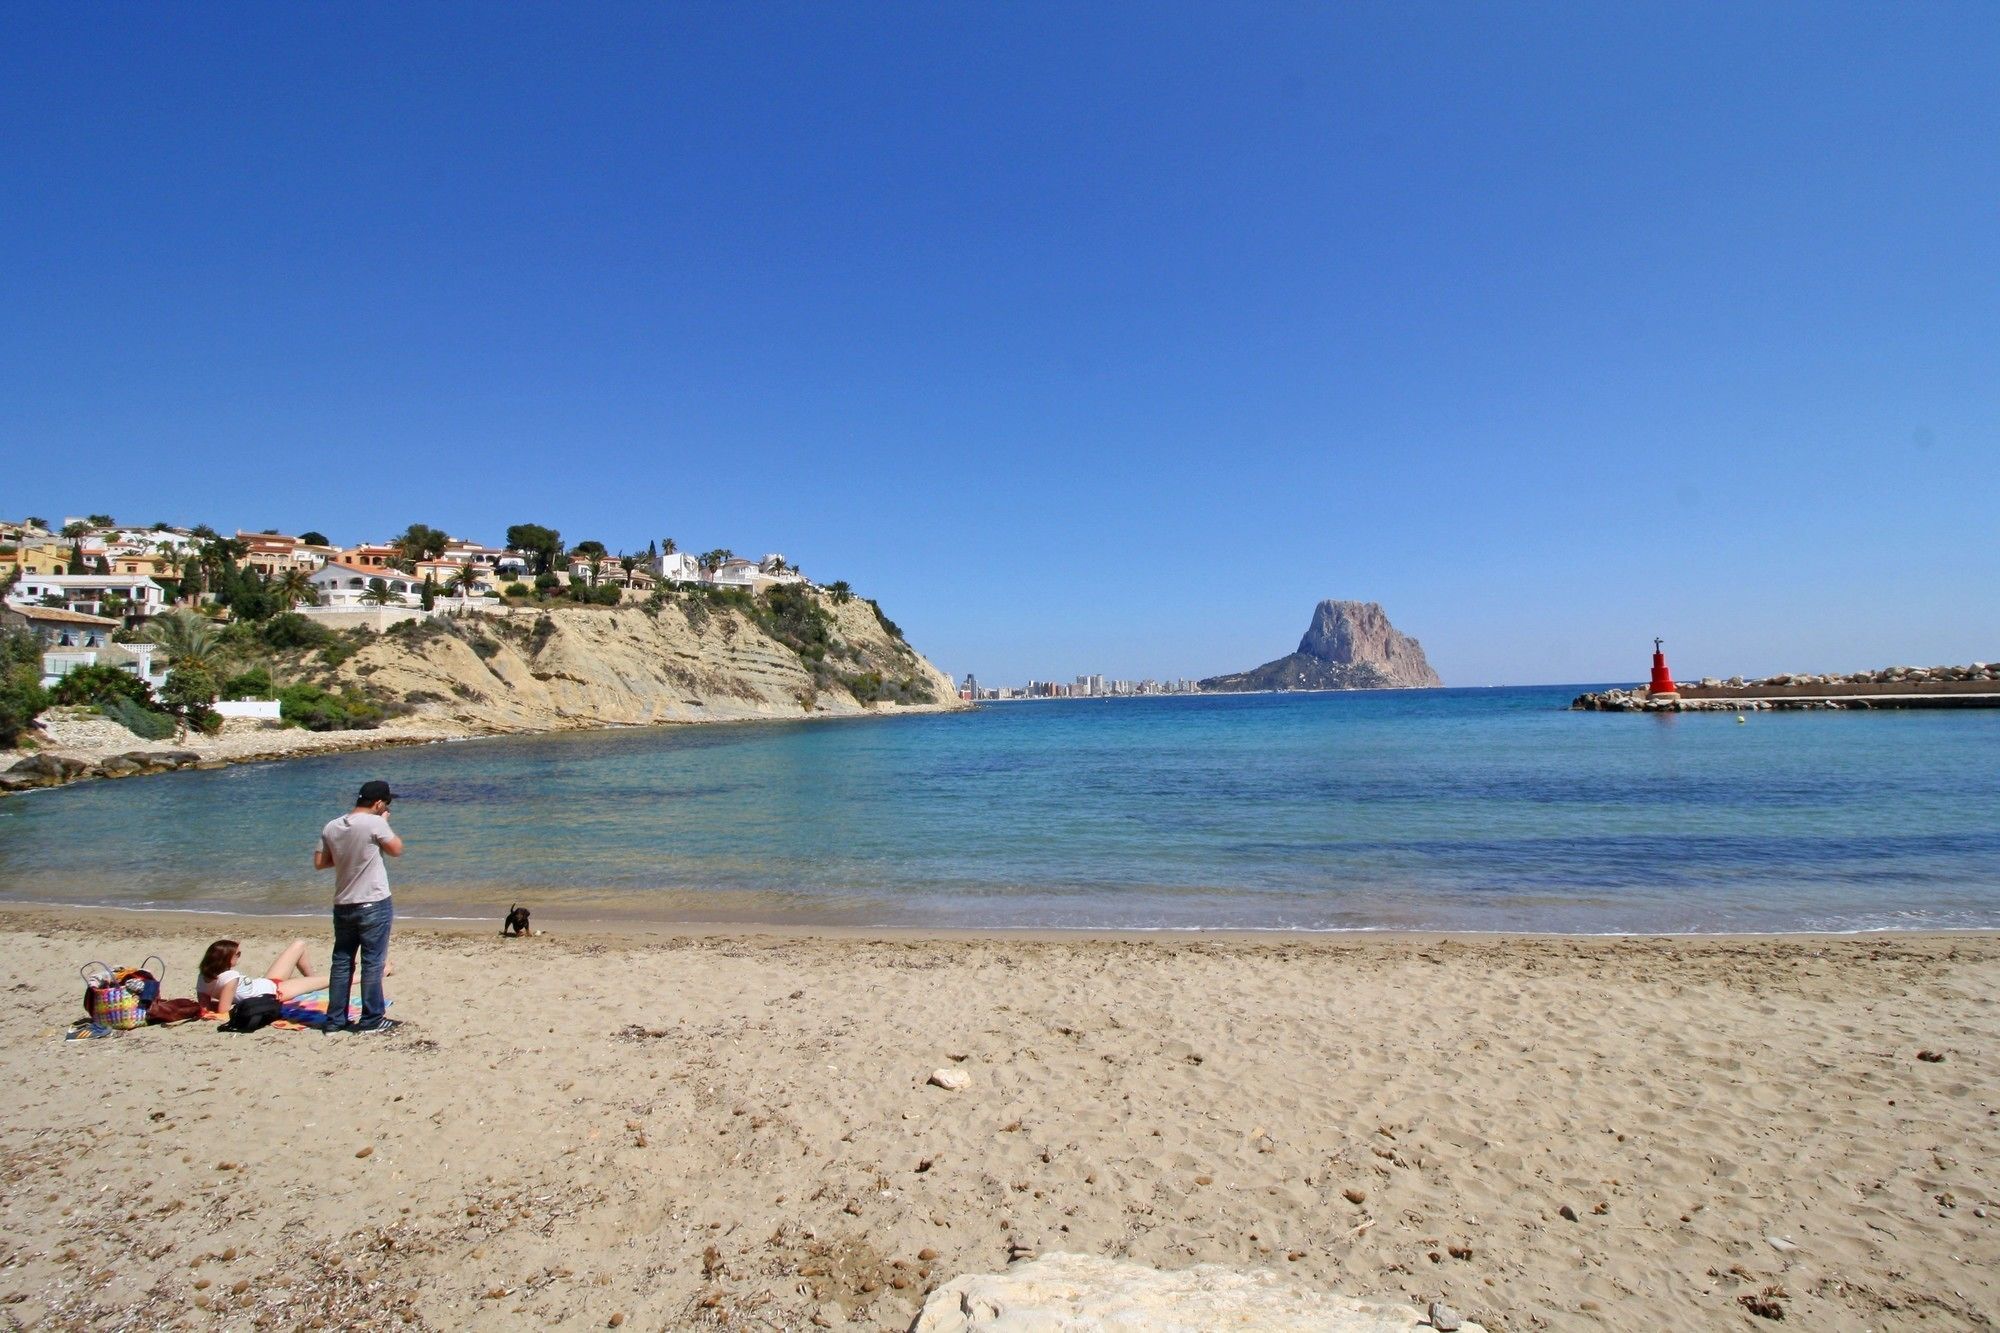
118,998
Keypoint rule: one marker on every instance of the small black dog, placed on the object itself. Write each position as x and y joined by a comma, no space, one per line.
517,921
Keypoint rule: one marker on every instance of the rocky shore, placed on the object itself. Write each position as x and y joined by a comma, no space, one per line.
1976,685
76,745
526,671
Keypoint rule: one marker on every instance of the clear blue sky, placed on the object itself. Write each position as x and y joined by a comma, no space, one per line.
1086,337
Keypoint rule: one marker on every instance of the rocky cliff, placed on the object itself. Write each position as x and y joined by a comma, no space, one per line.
1348,646
683,659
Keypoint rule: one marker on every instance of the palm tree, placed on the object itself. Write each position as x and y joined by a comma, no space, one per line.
186,639
842,593
292,587
716,559
378,593
464,581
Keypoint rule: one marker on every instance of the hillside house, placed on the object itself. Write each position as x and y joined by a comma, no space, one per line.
274,554
371,556
347,585
92,593
49,559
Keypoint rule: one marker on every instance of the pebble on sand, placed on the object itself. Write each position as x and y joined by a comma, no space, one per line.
1567,1212
1445,1319
951,1080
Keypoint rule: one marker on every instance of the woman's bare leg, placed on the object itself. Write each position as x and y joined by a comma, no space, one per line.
292,987
288,962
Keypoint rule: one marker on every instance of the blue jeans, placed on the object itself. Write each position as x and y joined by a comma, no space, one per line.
362,926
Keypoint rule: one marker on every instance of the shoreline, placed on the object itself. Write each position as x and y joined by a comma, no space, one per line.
234,745
711,1127
609,928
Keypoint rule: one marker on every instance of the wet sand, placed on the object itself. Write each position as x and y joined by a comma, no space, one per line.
733,1129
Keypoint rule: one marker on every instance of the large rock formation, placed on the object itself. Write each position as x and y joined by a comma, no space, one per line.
682,661
1085,1294
1348,646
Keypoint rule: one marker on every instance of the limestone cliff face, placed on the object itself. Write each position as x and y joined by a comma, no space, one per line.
1348,646
688,661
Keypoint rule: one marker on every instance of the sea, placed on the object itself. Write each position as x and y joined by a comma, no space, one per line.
1434,810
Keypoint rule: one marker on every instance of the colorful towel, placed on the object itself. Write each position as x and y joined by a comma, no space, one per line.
309,1011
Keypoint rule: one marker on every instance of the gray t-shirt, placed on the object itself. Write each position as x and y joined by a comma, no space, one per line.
354,841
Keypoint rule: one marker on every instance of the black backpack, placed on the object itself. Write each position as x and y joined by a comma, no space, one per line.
248,1015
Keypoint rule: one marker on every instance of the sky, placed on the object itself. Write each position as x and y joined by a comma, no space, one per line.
1087,338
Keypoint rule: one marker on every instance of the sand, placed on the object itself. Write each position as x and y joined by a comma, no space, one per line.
736,1131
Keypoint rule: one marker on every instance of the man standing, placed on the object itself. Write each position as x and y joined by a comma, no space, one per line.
353,846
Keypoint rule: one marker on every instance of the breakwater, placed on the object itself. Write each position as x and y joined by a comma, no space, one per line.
1973,686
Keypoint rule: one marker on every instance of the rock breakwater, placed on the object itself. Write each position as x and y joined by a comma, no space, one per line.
1976,685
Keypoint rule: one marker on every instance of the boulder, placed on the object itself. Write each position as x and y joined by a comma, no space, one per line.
1081,1293
117,766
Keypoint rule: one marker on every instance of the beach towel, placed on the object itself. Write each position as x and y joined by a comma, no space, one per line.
309,1011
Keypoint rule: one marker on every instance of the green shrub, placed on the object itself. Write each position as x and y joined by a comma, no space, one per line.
289,629
145,723
189,693
22,697
101,685
873,687
345,646
794,617
316,709
252,684
517,590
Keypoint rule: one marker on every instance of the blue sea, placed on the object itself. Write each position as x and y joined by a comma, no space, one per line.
1476,810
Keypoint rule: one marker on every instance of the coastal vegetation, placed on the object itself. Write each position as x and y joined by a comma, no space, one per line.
576,634
22,697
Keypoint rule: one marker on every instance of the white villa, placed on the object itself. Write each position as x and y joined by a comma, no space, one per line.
677,567
750,575
346,585
472,553
90,593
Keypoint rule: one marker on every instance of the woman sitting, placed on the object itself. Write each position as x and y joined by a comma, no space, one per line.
221,985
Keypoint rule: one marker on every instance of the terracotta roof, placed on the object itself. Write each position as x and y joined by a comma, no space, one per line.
62,615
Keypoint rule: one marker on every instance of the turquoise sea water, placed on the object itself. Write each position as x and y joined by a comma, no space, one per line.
1451,809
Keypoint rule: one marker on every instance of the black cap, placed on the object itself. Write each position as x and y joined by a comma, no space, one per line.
372,792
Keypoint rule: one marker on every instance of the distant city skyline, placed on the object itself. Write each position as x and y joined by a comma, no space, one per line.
1087,340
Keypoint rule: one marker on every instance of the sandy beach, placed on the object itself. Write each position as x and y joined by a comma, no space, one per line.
678,1130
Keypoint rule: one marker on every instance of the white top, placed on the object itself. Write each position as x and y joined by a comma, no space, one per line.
209,989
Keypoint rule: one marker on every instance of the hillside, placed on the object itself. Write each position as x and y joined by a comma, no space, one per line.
687,659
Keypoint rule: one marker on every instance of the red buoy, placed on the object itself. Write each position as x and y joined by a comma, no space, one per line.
1663,679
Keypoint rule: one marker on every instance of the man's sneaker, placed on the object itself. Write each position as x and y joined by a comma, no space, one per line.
336,1027
379,1025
